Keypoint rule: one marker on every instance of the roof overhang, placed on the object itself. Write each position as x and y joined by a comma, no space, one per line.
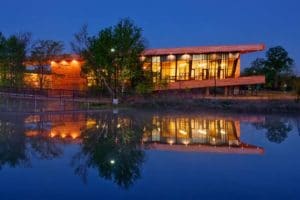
205,49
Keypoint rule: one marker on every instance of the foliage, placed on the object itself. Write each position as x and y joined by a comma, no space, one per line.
112,56
13,51
145,85
16,149
277,66
257,67
42,52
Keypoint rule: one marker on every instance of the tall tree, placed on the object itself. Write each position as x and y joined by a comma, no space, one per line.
277,62
277,65
12,57
42,52
112,56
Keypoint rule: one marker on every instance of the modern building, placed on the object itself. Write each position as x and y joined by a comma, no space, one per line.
172,69
200,67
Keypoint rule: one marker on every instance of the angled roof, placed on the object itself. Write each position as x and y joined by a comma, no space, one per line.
205,49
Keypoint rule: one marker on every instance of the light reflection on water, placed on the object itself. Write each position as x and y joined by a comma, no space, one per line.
121,148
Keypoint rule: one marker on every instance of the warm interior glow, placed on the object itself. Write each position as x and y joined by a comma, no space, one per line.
63,62
75,62
171,57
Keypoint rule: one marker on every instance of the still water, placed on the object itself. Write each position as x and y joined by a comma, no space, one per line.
145,155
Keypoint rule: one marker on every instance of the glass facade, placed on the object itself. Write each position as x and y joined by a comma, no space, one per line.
193,130
171,68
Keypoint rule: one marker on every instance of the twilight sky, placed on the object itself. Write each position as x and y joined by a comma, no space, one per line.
165,23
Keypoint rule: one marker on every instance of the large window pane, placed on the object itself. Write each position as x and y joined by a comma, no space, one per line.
168,71
183,67
199,67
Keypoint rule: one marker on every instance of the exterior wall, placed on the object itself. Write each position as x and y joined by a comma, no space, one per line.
70,129
67,75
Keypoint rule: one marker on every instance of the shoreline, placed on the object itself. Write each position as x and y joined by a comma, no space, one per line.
231,104
228,105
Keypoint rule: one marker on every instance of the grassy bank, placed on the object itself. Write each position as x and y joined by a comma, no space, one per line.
233,104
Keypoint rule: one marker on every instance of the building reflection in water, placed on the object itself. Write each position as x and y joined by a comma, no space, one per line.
115,145
200,134
192,133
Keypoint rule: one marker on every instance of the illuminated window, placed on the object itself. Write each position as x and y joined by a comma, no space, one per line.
156,68
183,67
199,67
168,70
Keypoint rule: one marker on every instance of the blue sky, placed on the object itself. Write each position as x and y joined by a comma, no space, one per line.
165,23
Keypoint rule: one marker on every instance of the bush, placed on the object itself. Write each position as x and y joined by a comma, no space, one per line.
144,89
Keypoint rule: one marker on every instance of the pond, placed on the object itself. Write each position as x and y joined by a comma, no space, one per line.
129,154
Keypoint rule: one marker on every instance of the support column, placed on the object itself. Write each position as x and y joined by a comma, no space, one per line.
207,91
225,91
236,90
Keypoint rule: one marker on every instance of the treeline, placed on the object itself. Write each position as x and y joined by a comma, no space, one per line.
112,58
278,68
17,49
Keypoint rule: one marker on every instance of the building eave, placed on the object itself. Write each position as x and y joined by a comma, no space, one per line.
247,48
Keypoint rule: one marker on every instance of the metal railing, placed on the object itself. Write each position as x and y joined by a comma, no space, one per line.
54,93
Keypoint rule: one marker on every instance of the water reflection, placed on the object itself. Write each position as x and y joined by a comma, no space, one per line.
12,145
276,128
17,146
115,144
197,133
113,147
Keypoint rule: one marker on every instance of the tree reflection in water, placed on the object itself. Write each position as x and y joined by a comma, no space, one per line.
17,149
12,145
277,129
113,147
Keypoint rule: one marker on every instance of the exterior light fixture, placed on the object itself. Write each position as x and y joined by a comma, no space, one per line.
222,131
112,50
186,56
171,57
112,162
170,141
186,142
142,58
74,135
63,62
74,61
